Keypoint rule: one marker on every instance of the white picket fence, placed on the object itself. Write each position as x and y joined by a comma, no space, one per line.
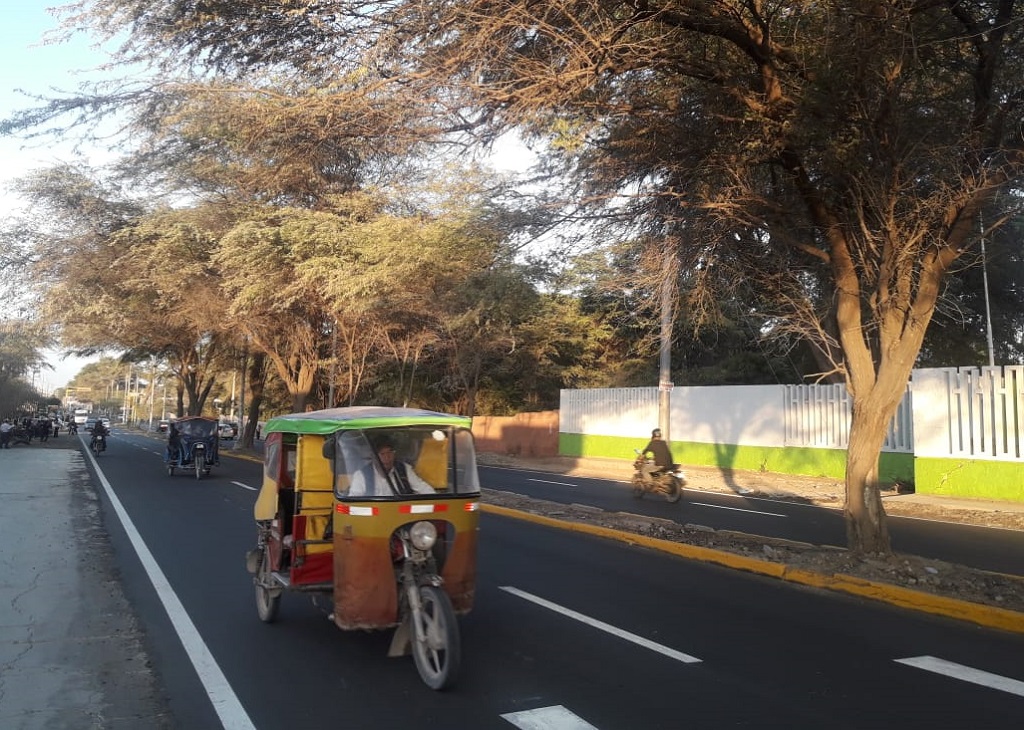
946,412
975,413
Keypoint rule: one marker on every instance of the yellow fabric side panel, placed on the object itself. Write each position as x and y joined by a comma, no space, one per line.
314,471
266,503
432,463
315,526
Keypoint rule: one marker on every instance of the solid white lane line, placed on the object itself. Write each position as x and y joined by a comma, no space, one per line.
965,673
245,486
225,702
555,717
545,481
608,628
738,509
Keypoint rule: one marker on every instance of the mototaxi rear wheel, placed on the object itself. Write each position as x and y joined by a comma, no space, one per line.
200,462
267,599
436,644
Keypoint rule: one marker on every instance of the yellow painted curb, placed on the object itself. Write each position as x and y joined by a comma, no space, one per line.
990,616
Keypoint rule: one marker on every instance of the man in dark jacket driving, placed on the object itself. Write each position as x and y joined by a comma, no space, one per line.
658,448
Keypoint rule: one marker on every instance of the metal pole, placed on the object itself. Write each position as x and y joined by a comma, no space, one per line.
988,308
334,361
665,360
239,441
153,390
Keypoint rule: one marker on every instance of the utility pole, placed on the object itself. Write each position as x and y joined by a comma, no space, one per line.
668,290
334,362
243,434
988,308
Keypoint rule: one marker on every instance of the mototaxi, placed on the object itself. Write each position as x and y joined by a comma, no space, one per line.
192,444
390,559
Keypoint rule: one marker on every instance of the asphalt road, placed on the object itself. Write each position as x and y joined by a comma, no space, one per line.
568,631
987,548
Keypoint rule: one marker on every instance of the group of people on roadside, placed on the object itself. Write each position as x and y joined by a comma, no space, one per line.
23,431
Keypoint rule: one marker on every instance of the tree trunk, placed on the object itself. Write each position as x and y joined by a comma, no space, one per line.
257,378
866,529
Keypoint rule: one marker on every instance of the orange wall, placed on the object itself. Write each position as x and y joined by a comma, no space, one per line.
525,434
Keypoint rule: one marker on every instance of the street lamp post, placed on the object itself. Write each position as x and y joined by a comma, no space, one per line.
239,441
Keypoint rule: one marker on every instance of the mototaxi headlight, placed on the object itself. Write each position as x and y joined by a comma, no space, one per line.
423,535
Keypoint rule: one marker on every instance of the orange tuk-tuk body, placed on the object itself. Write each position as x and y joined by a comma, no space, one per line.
379,508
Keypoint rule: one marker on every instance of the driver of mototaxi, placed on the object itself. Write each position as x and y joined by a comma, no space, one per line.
387,476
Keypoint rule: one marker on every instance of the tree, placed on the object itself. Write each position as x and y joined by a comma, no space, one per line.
19,354
260,260
834,155
820,155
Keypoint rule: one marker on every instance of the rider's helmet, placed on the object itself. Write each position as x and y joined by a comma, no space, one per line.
656,433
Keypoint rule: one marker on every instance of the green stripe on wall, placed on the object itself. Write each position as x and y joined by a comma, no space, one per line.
972,478
811,462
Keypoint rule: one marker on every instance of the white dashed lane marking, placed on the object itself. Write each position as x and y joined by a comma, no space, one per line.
555,717
965,673
608,628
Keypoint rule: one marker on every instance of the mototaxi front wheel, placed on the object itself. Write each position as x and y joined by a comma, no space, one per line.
267,599
436,645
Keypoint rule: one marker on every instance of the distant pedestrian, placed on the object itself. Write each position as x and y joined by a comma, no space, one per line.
5,433
259,426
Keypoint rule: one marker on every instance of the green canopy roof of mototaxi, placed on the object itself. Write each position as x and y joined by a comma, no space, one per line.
360,417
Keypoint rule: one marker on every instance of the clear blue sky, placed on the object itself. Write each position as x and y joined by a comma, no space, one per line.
29,64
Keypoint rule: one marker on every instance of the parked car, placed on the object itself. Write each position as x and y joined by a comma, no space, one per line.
227,431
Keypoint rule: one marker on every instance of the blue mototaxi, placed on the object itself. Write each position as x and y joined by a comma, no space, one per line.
192,444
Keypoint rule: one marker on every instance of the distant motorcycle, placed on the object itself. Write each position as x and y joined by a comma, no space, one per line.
648,479
98,444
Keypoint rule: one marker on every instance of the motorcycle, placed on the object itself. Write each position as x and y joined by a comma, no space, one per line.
648,479
378,558
98,444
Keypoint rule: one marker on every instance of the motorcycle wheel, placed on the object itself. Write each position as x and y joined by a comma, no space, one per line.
170,470
638,489
436,645
267,599
200,461
673,489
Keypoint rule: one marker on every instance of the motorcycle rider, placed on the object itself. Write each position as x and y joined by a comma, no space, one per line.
663,461
98,430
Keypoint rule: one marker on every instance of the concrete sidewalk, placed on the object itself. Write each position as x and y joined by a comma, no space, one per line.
72,654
